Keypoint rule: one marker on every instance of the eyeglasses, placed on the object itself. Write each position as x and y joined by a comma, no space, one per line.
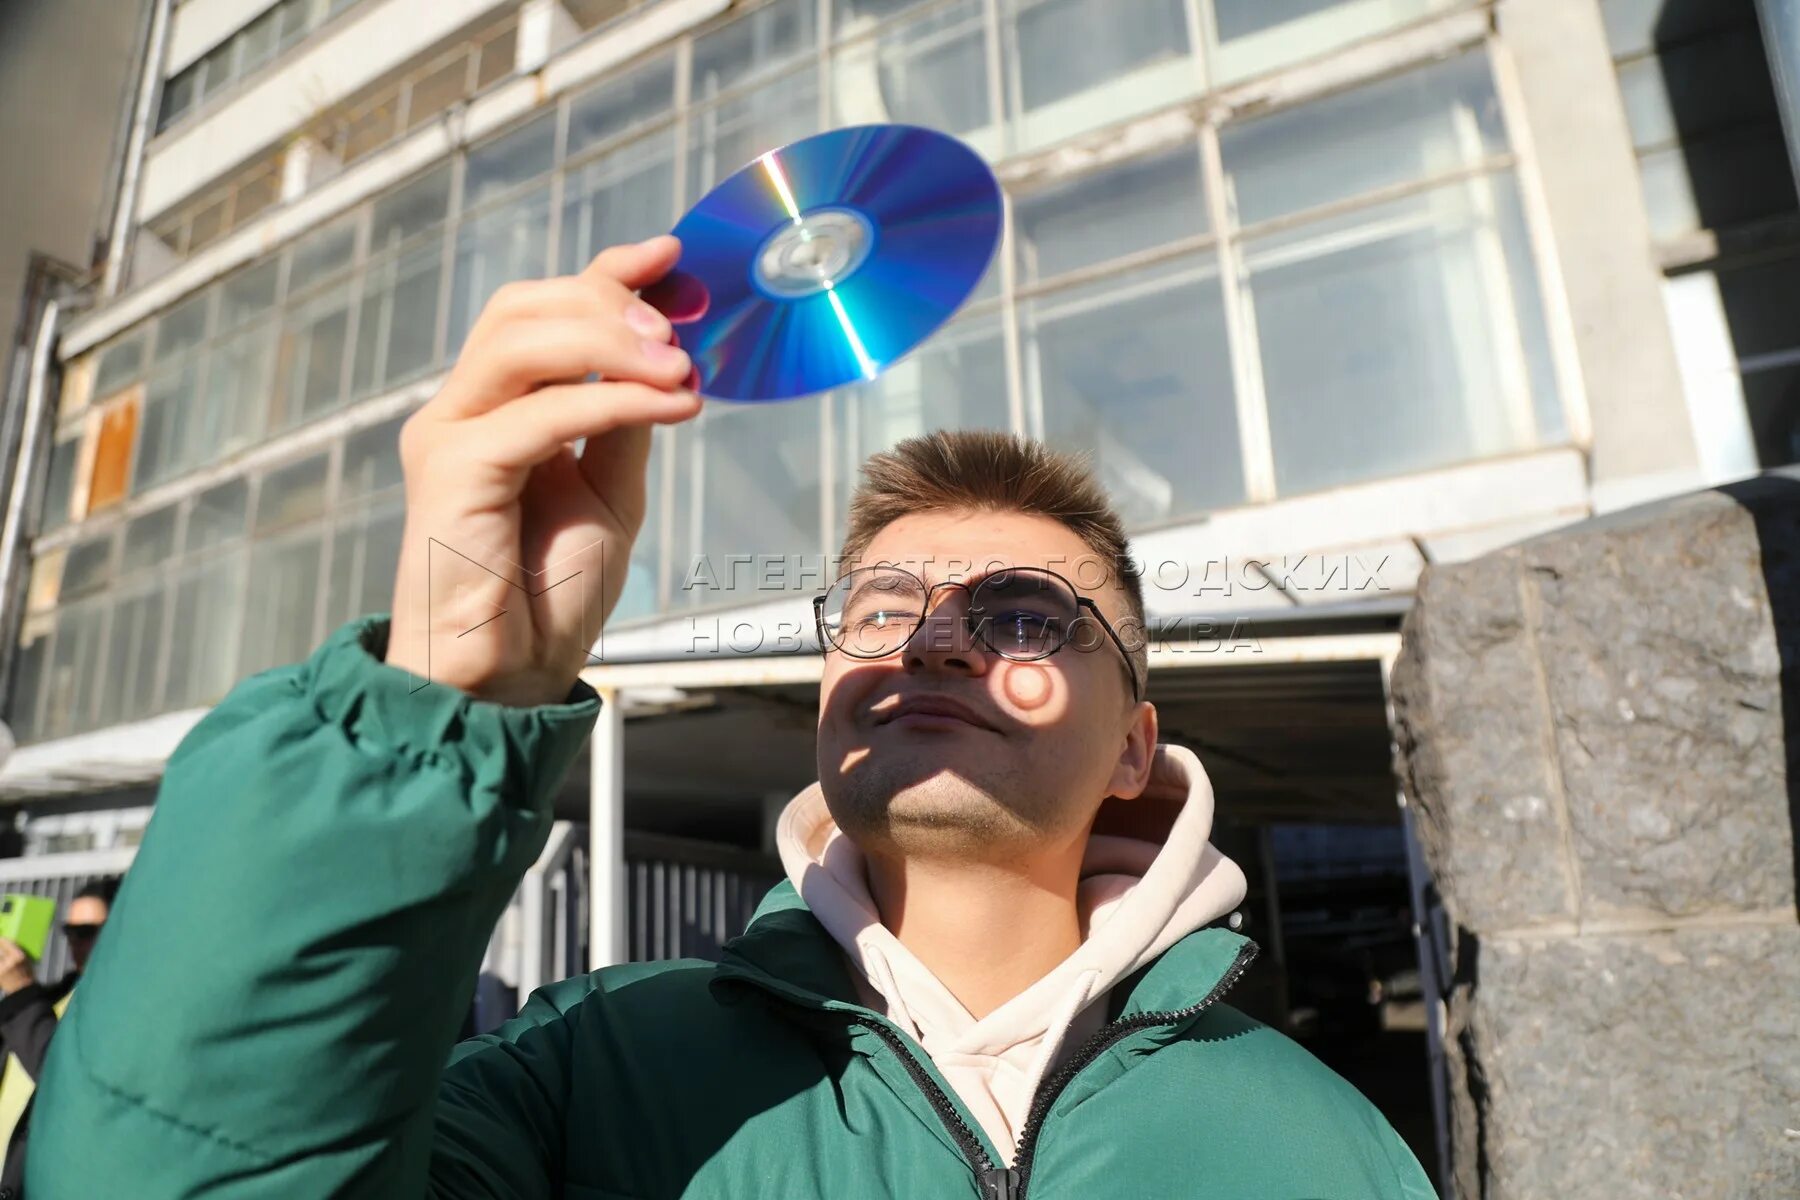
80,933
1023,614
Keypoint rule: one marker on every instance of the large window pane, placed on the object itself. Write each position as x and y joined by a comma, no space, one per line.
321,255
1081,64
509,161
503,244
60,488
149,541
74,676
409,211
1259,35
616,106
1128,208
747,478
1423,123
292,493
931,72
249,293
89,566
626,196
372,460
258,41
1136,372
134,653
203,638
235,401
182,327
437,89
1403,337
163,433
178,97
365,554
730,135
396,334
638,597
28,678
309,368
218,515
121,362
956,380
771,36
279,607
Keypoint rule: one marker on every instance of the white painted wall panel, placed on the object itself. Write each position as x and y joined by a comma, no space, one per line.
199,25
367,45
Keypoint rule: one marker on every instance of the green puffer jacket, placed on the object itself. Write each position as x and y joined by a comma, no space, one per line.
269,1012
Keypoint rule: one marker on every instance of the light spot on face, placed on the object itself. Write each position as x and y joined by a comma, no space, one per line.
1027,685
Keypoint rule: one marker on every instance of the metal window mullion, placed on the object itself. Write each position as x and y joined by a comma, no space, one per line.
826,78
1136,261
1376,197
1494,276
684,82
440,338
558,186
827,470
1254,443
328,526
171,601
1559,321
1011,349
1005,32
1197,27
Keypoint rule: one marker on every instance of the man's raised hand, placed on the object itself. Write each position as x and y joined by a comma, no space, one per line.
515,546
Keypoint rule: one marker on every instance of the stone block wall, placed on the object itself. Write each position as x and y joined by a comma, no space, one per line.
1599,731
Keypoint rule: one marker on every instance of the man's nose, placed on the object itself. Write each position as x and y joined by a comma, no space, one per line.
944,641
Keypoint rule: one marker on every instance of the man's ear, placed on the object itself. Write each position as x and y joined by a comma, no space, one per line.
1137,754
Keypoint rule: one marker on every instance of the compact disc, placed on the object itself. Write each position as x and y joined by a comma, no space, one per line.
823,262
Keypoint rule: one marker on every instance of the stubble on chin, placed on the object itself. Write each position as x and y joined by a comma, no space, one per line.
941,814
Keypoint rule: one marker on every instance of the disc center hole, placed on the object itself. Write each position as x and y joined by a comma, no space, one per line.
817,251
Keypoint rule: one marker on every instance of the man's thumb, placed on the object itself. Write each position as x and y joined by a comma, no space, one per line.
639,264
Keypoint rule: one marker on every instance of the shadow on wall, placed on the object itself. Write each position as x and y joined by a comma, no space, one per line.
1773,502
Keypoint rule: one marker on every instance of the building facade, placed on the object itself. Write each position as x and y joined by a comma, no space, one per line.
1330,290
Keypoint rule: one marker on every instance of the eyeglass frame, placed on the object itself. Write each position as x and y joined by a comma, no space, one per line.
974,626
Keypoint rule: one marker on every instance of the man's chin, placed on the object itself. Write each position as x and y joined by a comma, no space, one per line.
943,812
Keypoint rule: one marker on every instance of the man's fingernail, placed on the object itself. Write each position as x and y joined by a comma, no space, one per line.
662,354
646,322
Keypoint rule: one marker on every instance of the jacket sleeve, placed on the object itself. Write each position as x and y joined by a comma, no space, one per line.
271,1006
27,1019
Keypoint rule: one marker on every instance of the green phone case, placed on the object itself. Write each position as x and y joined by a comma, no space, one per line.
27,920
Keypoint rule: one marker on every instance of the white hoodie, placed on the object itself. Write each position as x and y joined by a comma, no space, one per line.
1148,879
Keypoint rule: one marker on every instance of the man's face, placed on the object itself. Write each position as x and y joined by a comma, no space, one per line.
85,913
1045,741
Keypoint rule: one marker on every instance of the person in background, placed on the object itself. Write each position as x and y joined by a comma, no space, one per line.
29,1011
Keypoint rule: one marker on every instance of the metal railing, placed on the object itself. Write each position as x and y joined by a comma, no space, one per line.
684,899
59,877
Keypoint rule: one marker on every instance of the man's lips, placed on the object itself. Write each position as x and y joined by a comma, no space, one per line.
932,705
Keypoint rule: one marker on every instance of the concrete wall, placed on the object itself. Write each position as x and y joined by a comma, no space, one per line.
1600,732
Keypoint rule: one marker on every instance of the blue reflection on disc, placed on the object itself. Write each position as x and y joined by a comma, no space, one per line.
824,262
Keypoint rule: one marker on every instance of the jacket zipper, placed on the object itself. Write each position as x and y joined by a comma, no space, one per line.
1091,1049
1008,1183
996,1183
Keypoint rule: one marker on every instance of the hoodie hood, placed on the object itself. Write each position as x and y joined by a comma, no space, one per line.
1149,878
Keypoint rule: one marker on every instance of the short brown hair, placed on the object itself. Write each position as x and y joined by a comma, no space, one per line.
985,470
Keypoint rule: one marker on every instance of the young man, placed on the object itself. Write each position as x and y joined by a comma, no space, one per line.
993,971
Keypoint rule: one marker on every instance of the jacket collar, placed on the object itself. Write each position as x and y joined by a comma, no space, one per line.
786,952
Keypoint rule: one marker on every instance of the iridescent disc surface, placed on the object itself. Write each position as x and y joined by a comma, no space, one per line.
824,262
